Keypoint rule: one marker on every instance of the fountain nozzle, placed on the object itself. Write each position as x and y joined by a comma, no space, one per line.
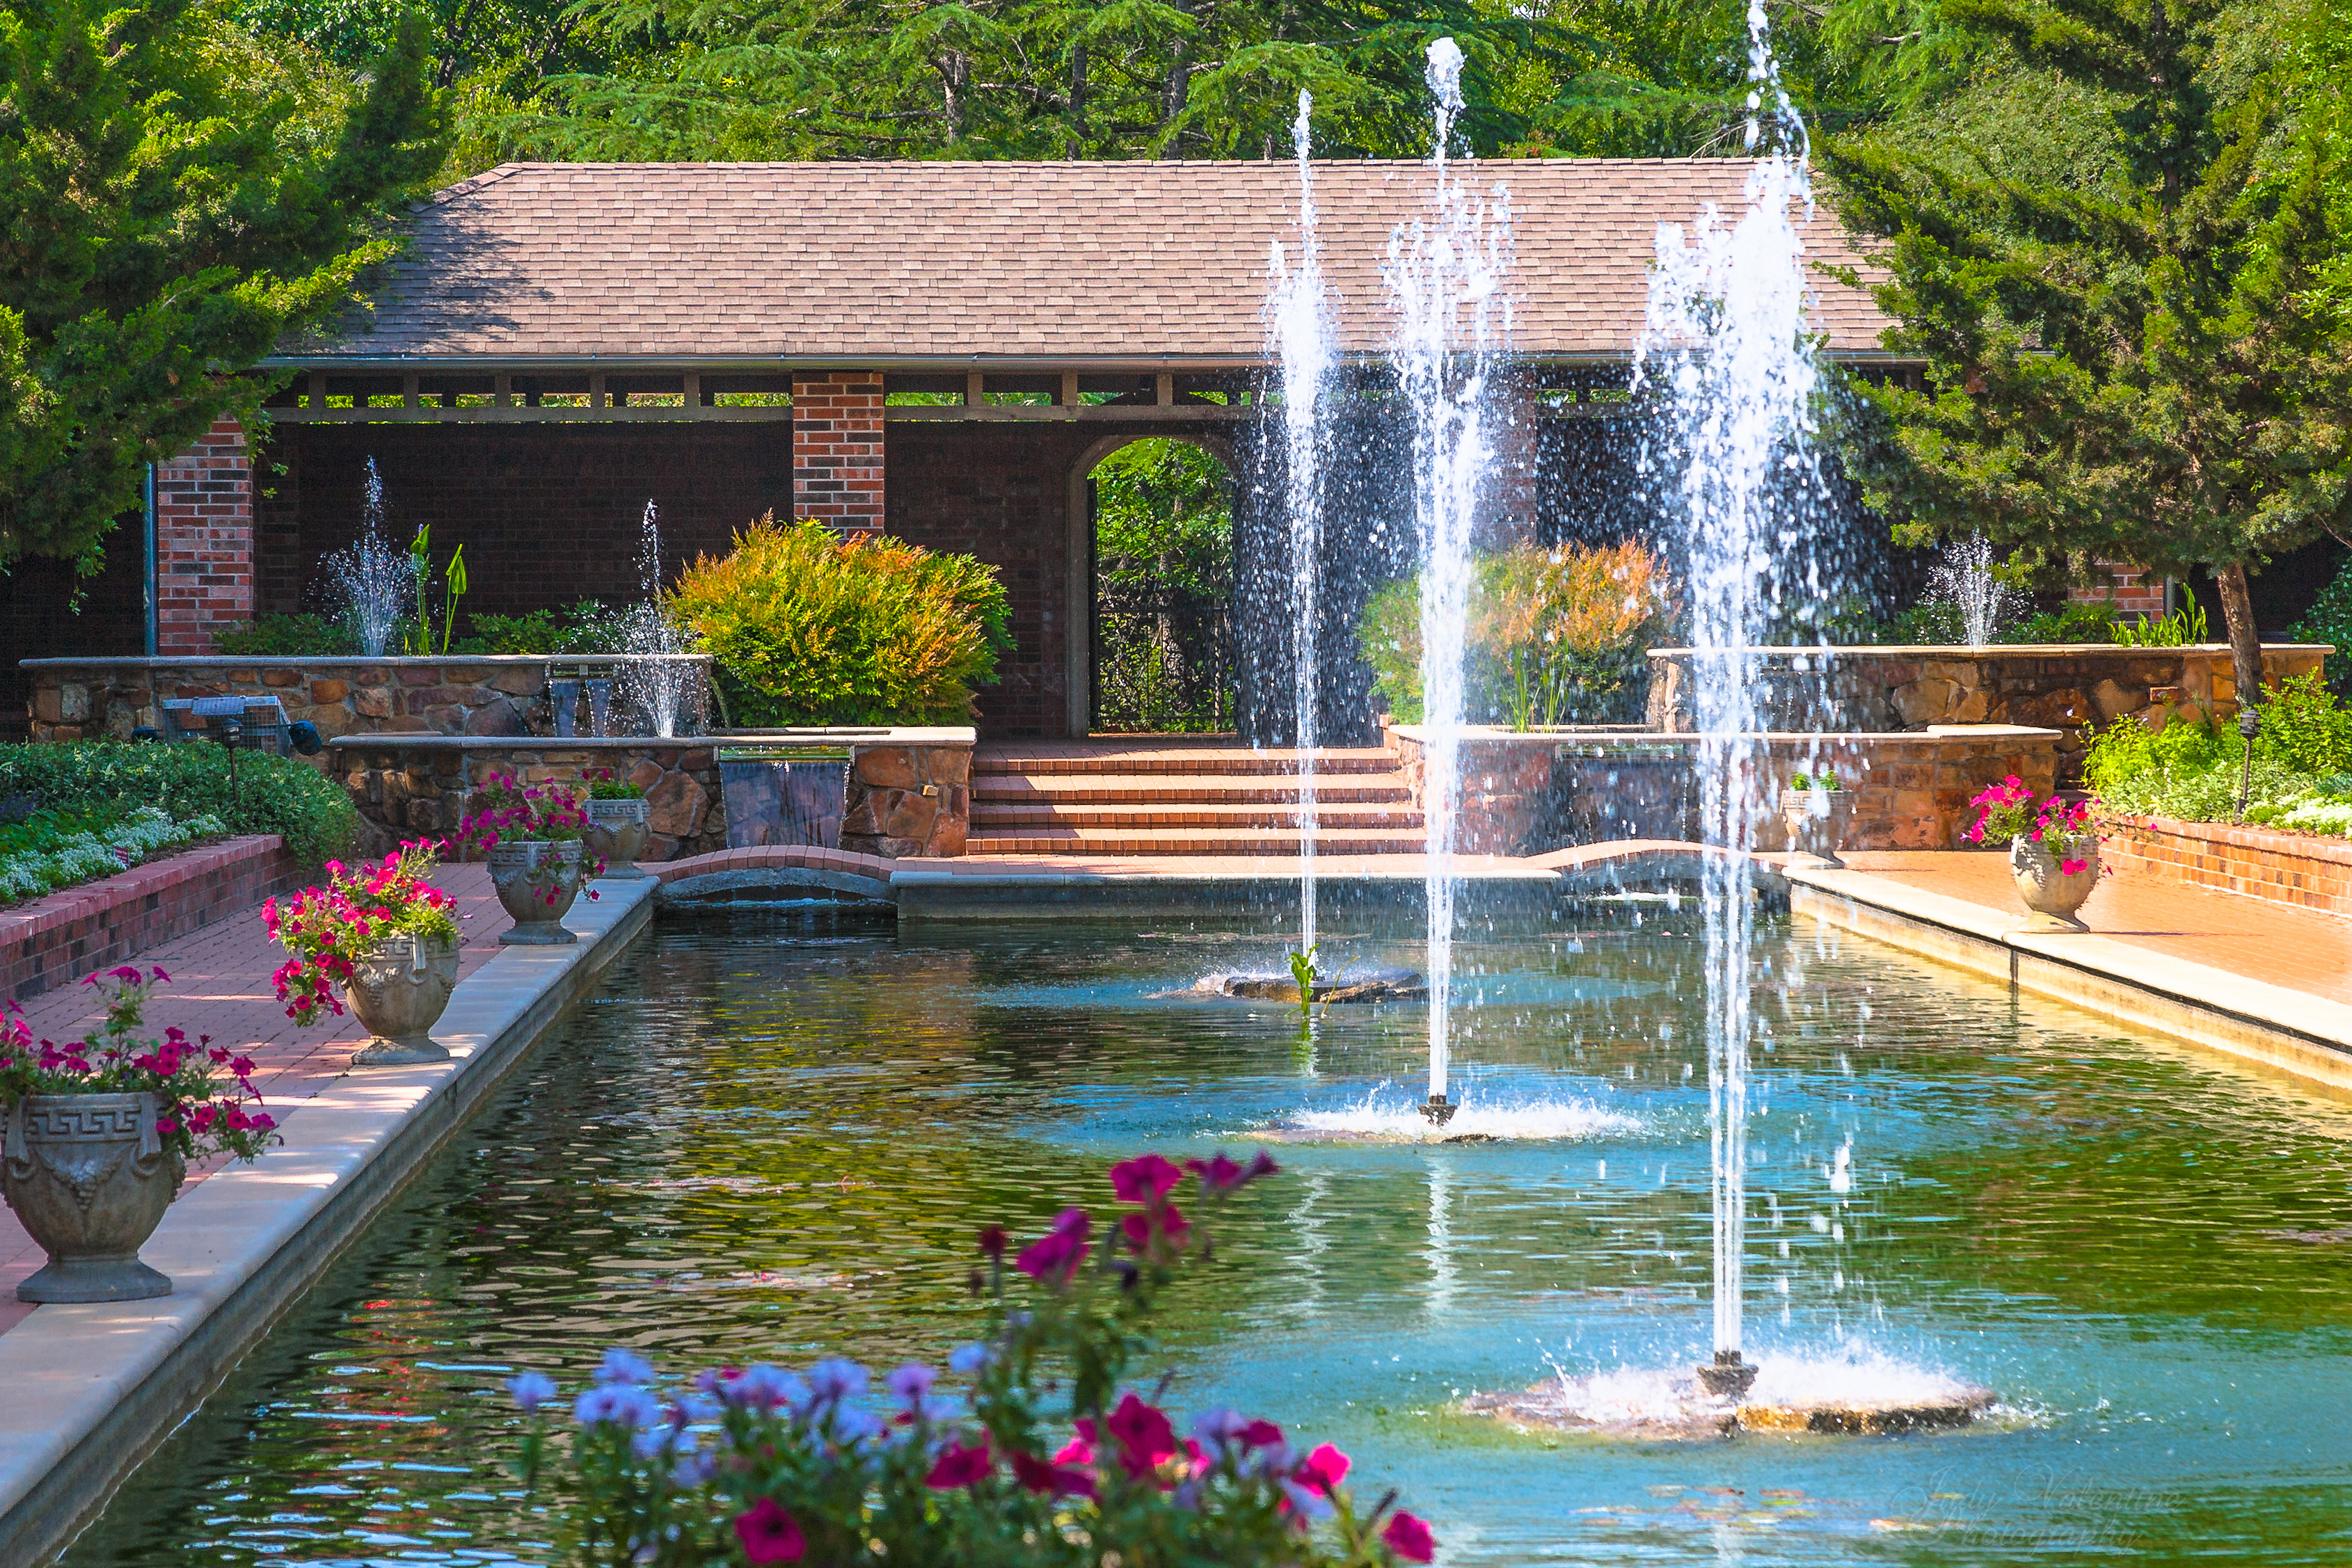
1727,1376
1439,1110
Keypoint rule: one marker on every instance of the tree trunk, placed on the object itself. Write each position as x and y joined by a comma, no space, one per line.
955,72
2245,642
1180,75
1078,102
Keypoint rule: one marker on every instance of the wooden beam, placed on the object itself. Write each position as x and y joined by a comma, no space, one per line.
1163,387
1070,398
408,392
975,389
503,386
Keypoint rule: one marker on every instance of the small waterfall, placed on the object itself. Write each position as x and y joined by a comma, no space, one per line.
663,689
1444,273
1299,317
1965,581
377,583
1724,348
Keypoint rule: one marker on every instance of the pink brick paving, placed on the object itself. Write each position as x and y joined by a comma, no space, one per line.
220,987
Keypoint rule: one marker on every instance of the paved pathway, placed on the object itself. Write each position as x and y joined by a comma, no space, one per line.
2277,943
220,987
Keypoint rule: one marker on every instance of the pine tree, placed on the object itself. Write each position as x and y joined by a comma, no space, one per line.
170,204
2155,375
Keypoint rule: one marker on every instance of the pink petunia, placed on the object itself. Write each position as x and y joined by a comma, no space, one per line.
1408,1536
960,1464
1147,1179
769,1534
1145,1437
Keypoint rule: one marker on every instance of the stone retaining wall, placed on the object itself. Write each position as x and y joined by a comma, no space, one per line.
86,699
2055,686
2302,869
407,792
75,931
1530,794
909,800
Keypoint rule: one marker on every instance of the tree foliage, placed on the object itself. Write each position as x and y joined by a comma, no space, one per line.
174,196
2139,361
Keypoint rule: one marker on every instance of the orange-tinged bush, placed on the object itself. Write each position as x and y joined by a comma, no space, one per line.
809,628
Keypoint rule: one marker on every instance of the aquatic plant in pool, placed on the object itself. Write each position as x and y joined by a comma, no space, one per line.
1037,1455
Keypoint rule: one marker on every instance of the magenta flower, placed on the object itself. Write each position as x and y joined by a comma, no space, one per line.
1323,1469
769,1534
1408,1536
1147,1179
1145,1438
2074,868
1055,1255
1220,1174
1050,1479
960,1464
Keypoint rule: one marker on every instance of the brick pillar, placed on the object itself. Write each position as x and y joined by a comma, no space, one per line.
204,540
838,449
2134,591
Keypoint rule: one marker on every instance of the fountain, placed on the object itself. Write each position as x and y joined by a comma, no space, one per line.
1444,274
1299,315
662,686
377,583
1965,581
1725,352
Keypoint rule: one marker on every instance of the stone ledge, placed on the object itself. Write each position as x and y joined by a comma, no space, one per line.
94,1389
49,940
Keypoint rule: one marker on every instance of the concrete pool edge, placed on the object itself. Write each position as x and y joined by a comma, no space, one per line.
94,1390
2295,1032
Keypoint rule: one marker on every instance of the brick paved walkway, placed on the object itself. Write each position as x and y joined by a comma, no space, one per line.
2280,945
220,987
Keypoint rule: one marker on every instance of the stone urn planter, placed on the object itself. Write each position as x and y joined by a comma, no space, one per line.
2045,886
617,831
398,993
537,879
1817,821
89,1182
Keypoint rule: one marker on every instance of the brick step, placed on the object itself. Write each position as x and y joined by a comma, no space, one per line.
1189,815
1349,789
1185,841
1190,761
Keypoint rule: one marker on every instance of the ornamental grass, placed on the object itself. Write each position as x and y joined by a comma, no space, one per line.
809,628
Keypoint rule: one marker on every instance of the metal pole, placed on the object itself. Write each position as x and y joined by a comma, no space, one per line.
149,580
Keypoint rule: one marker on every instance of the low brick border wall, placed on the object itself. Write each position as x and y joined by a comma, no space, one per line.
2302,869
56,940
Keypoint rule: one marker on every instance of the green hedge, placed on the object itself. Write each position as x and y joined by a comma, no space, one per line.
279,795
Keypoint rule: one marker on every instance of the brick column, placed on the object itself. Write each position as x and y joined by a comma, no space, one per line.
204,540
838,449
2130,587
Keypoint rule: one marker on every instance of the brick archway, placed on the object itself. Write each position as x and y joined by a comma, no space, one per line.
1078,549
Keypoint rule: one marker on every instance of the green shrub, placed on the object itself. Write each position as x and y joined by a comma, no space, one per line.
54,850
2329,620
290,636
1554,635
2075,620
280,795
589,626
808,628
2305,729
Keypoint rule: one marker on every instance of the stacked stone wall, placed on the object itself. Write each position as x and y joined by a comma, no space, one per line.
2067,689
909,800
418,791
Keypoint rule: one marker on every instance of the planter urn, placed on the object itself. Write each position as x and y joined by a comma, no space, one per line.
2048,891
537,879
1817,821
398,993
90,1180
616,831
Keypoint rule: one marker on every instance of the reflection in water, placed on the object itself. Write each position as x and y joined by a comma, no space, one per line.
769,1139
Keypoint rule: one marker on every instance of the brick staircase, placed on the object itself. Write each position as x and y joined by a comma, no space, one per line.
1182,796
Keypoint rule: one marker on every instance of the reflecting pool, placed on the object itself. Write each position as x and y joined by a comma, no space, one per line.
769,1138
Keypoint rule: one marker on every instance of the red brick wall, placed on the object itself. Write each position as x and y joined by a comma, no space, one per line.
837,467
2285,868
204,541
548,513
2133,589
55,940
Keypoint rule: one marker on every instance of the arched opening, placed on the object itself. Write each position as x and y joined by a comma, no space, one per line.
1163,655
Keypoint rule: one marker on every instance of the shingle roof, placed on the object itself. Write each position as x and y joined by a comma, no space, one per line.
897,264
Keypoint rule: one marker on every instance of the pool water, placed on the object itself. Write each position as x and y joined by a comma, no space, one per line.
769,1138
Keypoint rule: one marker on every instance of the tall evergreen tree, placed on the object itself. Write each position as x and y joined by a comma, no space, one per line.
169,206
2155,374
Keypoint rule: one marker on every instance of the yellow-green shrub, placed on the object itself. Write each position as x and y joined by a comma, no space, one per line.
809,628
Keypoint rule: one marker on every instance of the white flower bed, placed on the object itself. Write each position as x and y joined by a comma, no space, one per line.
85,857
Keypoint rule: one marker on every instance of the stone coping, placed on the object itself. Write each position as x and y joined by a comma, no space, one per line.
341,661
93,1389
2296,1033
1991,650
1491,734
426,740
